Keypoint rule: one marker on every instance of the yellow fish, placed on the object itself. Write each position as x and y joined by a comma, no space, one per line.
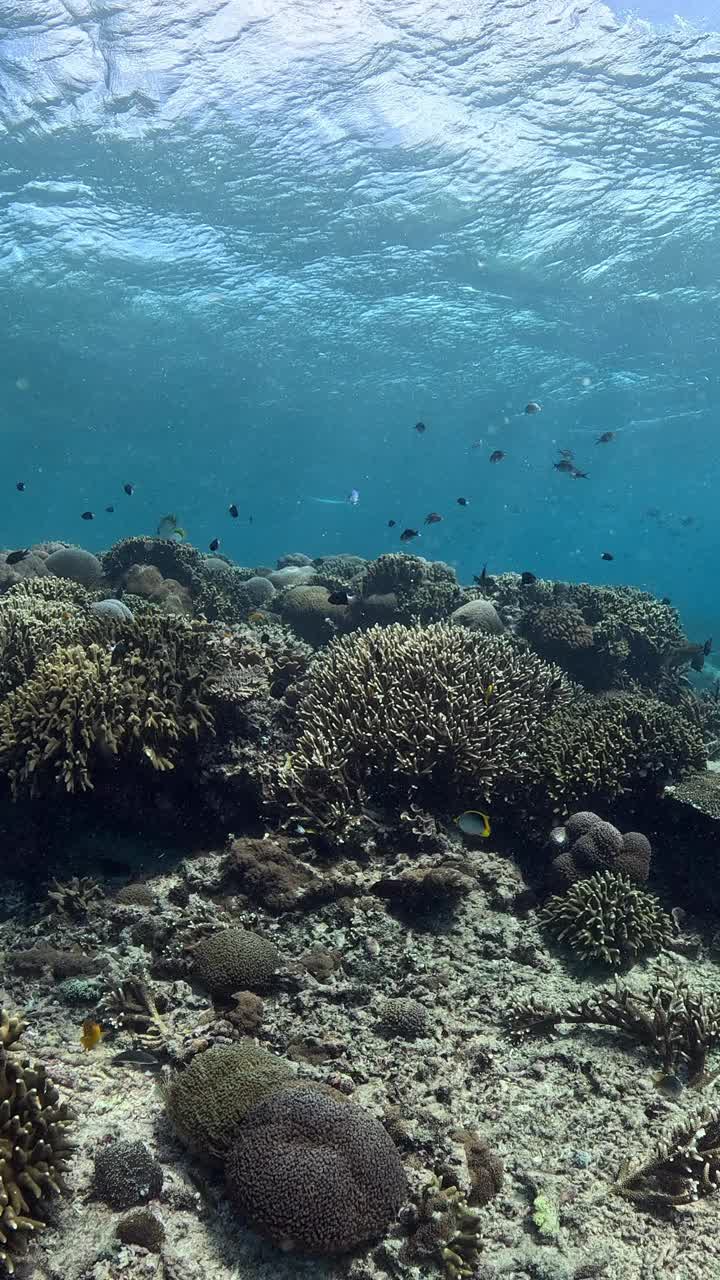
488,692
257,616
474,823
92,1034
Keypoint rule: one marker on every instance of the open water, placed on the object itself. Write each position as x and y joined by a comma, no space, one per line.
246,245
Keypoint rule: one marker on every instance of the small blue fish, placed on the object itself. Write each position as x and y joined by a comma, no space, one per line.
353,497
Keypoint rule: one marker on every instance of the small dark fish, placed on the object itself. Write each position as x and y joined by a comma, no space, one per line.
462,502
250,519
533,407
606,437
136,1058
566,453
564,465
110,510
234,511
119,651
527,579
482,579
578,475
16,556
497,455
340,597
214,545
707,647
88,515
607,555
654,513
407,535
666,600
20,486
687,521
433,518
129,489
391,524
420,427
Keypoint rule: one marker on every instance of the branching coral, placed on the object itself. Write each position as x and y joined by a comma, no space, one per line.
141,699
681,1170
34,1150
391,712
679,1027
74,898
599,748
607,918
444,1229
133,1006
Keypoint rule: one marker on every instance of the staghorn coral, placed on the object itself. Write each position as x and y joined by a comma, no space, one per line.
141,700
207,1102
399,711
607,918
597,748
34,1151
315,1174
37,618
683,1168
74,898
679,1027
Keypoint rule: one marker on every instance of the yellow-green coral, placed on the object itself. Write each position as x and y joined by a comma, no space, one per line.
140,699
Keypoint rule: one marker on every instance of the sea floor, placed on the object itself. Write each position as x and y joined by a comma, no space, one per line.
563,1112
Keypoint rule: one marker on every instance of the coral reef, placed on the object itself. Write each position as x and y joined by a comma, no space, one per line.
588,844
399,712
234,960
314,1174
35,1148
76,564
607,918
478,615
558,631
307,609
76,897
126,1174
207,1102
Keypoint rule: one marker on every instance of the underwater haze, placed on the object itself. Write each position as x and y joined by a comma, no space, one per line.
246,246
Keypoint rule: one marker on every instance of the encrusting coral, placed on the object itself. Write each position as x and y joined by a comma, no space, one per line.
34,1146
392,712
139,700
607,918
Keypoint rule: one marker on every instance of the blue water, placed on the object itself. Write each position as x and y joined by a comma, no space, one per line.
245,246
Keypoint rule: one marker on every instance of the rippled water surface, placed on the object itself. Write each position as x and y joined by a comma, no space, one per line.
245,246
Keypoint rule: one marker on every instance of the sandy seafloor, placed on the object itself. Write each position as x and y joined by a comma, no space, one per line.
563,1112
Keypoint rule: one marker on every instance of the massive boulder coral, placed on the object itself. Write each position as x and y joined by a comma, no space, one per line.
420,590
315,1174
393,713
141,700
587,844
